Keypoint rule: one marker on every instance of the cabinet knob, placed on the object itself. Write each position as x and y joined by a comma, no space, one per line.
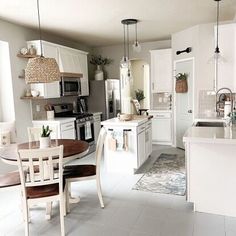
190,111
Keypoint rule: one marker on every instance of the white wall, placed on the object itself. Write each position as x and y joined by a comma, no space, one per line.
17,36
116,53
6,89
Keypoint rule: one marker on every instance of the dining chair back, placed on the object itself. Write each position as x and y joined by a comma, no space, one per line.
99,149
76,173
40,181
34,133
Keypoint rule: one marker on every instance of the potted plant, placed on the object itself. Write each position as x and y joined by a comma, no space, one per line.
139,94
99,61
44,139
181,85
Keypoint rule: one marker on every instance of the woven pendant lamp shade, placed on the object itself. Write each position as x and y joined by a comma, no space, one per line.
42,70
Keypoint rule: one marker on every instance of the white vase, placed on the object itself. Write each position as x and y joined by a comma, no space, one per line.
44,142
99,75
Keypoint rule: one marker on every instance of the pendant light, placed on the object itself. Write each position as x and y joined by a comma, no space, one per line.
136,45
125,62
41,69
217,58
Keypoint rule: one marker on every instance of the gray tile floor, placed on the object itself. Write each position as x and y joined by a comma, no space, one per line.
127,212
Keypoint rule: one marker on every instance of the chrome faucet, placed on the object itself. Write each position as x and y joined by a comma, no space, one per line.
231,98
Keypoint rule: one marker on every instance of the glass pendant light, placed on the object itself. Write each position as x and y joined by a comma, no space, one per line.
136,45
125,62
217,57
41,69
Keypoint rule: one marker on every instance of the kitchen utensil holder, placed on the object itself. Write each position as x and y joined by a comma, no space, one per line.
50,115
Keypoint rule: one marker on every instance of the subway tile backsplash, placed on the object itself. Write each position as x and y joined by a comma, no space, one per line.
38,110
207,102
161,101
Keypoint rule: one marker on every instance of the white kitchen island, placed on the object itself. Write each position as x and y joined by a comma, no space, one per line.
128,143
211,169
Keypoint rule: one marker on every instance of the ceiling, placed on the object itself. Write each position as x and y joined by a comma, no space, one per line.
97,22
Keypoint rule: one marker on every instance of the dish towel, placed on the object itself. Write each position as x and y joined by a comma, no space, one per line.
118,135
88,131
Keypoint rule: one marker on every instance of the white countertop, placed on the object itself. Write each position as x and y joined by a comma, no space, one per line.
116,122
226,135
60,120
152,111
210,118
95,113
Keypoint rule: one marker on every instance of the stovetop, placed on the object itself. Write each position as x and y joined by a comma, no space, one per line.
76,115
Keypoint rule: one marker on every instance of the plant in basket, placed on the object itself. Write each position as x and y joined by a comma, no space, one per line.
181,85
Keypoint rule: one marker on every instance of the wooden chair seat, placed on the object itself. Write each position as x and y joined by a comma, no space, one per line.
77,171
42,191
10,179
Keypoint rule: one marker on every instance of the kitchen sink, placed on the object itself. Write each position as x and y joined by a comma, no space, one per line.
210,124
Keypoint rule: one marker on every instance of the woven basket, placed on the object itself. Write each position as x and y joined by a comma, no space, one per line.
42,70
181,86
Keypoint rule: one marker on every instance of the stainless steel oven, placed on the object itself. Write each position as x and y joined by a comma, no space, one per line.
70,86
85,129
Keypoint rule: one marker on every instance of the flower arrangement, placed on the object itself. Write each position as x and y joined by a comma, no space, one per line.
46,131
181,76
139,94
100,61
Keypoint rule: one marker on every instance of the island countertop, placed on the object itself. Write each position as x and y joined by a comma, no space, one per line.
225,135
136,121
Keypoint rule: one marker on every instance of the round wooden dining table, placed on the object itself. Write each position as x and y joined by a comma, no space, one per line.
73,149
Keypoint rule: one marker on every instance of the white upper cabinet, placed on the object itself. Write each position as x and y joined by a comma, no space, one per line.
84,70
161,70
227,45
69,60
75,61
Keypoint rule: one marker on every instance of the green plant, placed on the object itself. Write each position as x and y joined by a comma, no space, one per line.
100,61
46,131
181,76
139,94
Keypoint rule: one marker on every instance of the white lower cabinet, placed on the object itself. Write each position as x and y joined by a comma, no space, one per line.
61,128
97,125
139,145
141,148
148,139
161,127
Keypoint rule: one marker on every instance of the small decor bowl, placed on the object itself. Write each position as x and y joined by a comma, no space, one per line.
35,93
125,117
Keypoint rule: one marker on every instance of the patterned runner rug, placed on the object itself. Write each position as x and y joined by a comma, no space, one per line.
167,175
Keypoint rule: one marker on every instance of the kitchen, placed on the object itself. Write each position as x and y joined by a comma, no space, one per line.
141,141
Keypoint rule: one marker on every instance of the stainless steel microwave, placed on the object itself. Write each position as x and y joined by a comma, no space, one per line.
70,86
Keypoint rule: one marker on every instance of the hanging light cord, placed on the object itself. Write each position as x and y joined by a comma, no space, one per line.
40,33
124,44
136,35
128,41
217,50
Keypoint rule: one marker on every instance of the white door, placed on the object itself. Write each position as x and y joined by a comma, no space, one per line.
184,101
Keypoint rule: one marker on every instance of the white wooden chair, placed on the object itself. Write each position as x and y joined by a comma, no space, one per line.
76,173
41,184
35,132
